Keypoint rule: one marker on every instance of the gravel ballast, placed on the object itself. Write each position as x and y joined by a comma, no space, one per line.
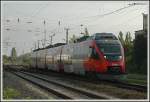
23,89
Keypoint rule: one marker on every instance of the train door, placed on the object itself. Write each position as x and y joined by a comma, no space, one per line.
33,60
46,67
66,59
56,58
60,60
50,58
92,60
42,59
77,60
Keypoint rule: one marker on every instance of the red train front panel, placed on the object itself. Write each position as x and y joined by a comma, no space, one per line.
109,62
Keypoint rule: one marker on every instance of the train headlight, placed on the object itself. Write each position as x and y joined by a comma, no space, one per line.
104,56
120,57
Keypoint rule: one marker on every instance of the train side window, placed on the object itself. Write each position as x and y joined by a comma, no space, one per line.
94,54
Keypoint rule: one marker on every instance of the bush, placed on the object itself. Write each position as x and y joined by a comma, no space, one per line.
10,93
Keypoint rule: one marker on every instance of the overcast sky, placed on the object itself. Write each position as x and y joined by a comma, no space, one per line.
72,14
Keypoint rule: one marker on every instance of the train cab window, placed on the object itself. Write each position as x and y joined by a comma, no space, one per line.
105,37
94,54
90,38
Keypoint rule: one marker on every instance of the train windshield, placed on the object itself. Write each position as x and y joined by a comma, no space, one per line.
110,48
108,37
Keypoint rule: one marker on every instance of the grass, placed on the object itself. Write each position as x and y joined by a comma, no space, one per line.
10,93
136,79
28,97
137,76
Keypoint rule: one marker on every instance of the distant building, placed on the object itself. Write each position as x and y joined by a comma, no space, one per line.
144,30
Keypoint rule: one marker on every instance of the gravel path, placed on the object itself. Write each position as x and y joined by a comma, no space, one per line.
25,89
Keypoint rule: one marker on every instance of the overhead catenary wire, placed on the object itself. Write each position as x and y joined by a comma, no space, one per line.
40,9
121,15
77,25
125,22
34,14
110,13
120,9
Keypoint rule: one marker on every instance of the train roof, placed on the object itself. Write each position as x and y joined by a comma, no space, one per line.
102,36
96,36
50,46
115,42
82,38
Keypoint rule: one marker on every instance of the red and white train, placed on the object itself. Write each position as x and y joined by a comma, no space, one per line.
101,53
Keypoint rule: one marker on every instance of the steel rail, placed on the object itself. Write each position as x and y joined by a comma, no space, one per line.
116,83
88,93
120,84
61,95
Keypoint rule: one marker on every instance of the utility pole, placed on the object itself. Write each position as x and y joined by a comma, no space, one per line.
31,49
35,45
44,33
67,29
81,29
43,43
51,38
18,20
23,48
38,43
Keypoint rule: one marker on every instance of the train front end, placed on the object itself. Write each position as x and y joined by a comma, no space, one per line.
110,59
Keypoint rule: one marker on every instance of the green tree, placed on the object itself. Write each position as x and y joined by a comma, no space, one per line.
86,32
128,40
128,49
140,53
13,55
26,58
120,37
5,59
128,44
73,39
135,52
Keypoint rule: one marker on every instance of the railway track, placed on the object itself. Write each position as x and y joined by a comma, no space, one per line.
119,84
61,90
115,83
136,87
